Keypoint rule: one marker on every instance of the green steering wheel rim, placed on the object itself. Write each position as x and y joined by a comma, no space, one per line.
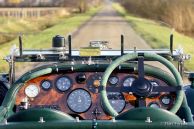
107,106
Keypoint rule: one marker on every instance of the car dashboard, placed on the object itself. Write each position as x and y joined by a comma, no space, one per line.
78,94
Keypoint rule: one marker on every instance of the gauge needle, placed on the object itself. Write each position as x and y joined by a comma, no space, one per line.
79,99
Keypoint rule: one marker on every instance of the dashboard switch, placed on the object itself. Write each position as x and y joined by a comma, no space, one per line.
81,78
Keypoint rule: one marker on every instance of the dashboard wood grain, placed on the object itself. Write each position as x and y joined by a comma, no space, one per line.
54,97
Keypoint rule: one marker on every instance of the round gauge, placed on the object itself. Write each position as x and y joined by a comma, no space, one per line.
165,99
63,83
154,84
31,91
46,84
79,100
128,81
116,100
93,82
154,105
113,80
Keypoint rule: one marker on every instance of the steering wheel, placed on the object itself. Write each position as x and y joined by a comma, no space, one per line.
141,87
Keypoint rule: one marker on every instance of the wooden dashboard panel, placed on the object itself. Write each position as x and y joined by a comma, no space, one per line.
54,97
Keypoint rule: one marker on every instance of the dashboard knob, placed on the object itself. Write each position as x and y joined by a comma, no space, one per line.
81,78
96,83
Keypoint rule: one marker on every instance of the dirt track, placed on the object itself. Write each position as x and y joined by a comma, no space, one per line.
107,25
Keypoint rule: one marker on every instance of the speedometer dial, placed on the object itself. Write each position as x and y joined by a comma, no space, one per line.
31,91
128,81
116,100
79,101
63,83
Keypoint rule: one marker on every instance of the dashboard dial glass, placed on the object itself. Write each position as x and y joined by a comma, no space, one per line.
63,84
31,91
166,99
154,105
116,100
128,81
113,80
46,84
79,101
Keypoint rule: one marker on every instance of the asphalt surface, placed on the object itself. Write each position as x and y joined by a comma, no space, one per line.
108,25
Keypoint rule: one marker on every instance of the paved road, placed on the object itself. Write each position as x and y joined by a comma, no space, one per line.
108,25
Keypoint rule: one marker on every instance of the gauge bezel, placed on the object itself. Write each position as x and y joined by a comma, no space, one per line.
125,78
36,87
71,83
123,99
47,81
75,90
110,82
166,95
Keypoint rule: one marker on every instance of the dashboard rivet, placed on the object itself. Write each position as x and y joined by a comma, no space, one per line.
72,68
77,119
148,120
113,119
41,120
184,122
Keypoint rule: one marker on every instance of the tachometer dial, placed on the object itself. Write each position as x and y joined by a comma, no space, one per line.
32,91
79,100
128,81
113,80
63,84
116,100
46,84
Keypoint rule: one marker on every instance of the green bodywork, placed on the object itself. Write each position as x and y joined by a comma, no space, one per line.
132,119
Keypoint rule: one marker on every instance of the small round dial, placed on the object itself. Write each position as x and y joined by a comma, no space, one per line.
116,100
166,100
154,105
46,84
79,101
63,83
31,91
113,80
128,81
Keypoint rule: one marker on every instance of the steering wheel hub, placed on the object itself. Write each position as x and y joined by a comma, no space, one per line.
142,87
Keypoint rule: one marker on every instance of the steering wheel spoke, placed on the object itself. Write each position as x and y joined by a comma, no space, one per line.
141,67
167,89
127,89
115,89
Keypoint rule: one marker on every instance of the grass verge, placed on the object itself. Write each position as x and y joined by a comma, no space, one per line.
157,34
44,38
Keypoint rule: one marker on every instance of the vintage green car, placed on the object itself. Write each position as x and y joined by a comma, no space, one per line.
92,88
